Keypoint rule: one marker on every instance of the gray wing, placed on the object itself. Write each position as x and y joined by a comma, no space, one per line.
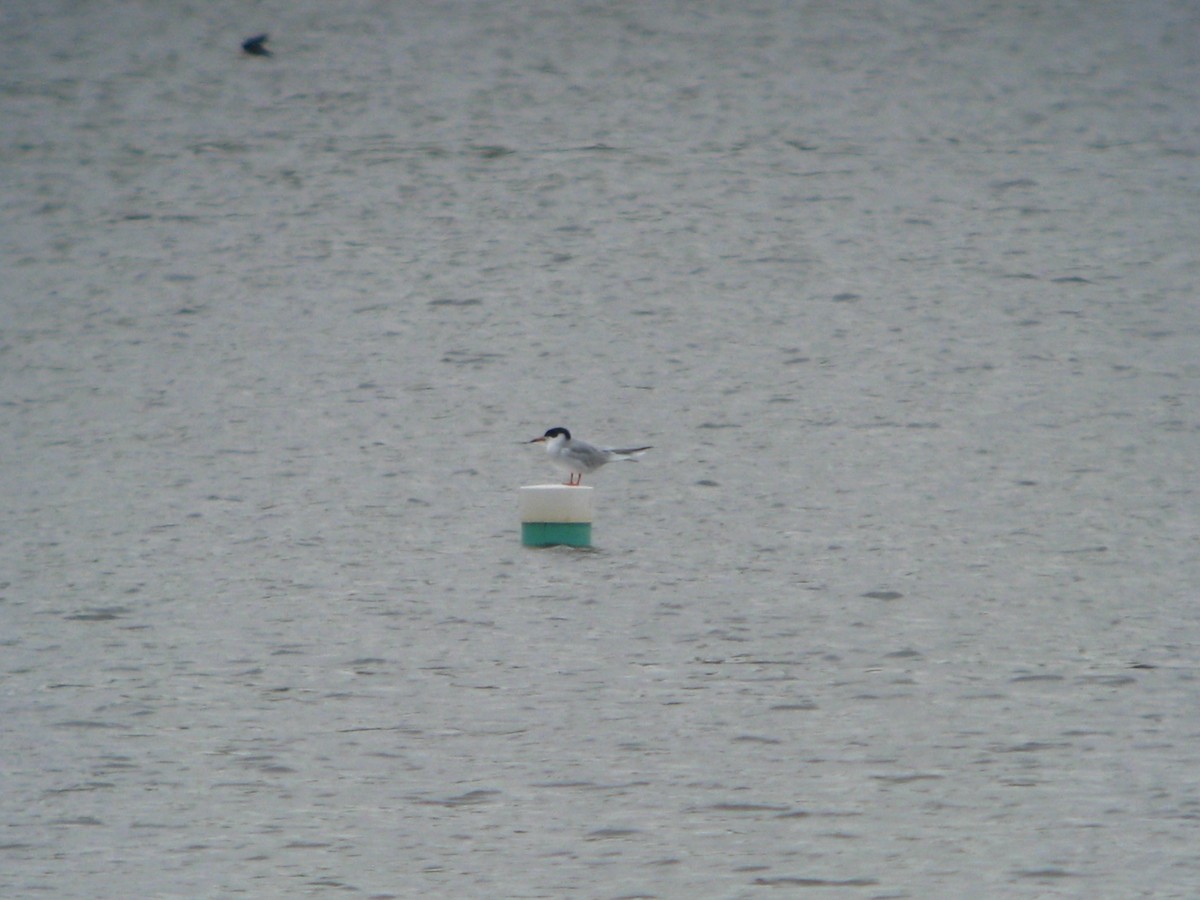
587,454
630,451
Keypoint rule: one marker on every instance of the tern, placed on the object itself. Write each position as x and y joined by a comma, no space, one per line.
578,458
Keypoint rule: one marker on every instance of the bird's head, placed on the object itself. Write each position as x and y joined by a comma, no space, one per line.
551,435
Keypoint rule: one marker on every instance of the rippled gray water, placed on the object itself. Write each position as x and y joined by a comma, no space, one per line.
902,604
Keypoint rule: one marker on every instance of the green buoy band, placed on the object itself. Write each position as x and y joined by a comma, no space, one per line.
556,534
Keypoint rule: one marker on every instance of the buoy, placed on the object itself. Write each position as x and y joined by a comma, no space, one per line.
556,515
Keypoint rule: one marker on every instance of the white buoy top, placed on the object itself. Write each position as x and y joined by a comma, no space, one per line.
556,503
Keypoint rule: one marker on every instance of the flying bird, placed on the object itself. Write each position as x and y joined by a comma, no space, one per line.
255,45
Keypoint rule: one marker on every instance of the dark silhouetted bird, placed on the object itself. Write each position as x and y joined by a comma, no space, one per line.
254,45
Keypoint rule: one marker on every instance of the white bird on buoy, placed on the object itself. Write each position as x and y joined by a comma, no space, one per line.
578,458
